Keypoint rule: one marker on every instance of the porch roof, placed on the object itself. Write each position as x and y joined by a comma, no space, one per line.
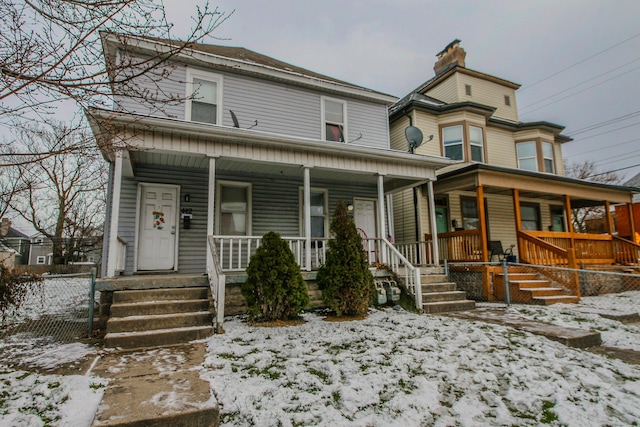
174,142
501,180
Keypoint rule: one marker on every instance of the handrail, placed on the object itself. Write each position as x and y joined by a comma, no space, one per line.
121,255
410,275
626,251
418,253
534,250
217,284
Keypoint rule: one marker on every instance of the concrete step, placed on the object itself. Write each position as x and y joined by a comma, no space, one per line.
132,296
445,307
157,338
158,307
438,287
154,322
151,282
444,296
432,278
560,299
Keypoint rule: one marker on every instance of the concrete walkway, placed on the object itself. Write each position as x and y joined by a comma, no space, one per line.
155,387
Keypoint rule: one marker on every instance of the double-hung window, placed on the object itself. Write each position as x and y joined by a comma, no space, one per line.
334,119
535,156
234,209
318,211
530,216
463,142
204,97
453,142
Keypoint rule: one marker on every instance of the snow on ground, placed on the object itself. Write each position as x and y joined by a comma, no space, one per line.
400,369
393,368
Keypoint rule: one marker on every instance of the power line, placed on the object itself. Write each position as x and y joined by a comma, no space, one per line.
610,131
615,170
579,62
605,123
610,145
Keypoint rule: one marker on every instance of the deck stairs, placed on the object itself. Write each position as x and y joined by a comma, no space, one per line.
161,315
442,296
531,288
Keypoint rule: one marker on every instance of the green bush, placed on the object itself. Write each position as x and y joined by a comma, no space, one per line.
275,288
345,279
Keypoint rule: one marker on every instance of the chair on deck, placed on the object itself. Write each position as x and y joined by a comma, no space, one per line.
495,249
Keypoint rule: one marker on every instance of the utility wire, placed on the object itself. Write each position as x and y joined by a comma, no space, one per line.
605,123
615,170
579,62
609,131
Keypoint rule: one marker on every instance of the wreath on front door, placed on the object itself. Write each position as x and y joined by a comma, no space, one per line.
158,220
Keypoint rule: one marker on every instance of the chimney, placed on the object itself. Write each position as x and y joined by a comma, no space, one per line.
449,57
5,224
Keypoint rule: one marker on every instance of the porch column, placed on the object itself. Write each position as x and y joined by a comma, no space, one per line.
632,225
483,223
567,208
571,252
211,208
433,224
112,259
381,216
307,217
607,208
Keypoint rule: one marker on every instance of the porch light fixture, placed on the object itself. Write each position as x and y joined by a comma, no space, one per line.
187,198
349,207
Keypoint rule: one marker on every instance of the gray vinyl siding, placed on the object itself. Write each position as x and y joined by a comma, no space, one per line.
275,207
278,107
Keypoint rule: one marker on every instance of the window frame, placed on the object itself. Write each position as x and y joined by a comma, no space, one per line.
540,158
536,207
249,212
41,259
557,211
325,122
522,158
208,76
467,153
312,190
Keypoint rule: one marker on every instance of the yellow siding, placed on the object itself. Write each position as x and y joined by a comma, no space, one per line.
398,140
501,149
559,161
489,93
428,124
447,91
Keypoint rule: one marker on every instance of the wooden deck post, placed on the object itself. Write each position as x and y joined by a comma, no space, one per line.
518,219
632,225
483,223
567,207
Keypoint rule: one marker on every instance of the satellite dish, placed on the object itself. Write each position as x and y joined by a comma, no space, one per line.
415,138
236,123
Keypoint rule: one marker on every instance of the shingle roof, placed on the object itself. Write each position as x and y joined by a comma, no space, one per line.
633,182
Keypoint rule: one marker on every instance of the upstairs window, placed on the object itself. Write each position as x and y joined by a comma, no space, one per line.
453,142
535,156
334,120
204,97
462,142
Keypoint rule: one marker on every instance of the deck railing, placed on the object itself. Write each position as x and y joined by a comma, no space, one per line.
403,268
418,253
217,284
626,252
464,245
534,250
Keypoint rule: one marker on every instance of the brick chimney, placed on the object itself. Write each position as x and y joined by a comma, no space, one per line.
449,57
5,224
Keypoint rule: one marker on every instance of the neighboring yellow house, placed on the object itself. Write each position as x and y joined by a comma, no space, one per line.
510,185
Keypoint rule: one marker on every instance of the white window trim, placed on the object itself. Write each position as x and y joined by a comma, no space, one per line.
326,208
41,259
552,158
204,75
323,123
535,155
461,143
249,188
472,144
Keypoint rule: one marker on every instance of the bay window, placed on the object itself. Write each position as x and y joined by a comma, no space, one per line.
535,156
463,142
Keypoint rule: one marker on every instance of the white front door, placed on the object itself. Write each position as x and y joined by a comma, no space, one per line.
365,216
157,227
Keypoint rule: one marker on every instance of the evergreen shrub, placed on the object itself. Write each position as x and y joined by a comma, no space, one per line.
345,279
275,288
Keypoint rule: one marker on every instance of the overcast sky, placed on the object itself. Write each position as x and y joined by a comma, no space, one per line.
578,61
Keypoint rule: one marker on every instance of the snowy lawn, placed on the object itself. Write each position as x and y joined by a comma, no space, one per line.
400,369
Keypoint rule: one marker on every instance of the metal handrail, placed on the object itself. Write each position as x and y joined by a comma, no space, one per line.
405,270
217,284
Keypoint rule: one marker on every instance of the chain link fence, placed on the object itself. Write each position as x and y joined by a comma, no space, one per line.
59,308
542,285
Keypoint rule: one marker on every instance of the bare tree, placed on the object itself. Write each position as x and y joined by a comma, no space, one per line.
63,195
51,52
587,171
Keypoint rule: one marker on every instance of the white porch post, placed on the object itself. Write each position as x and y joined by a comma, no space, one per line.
381,215
307,217
434,224
115,215
211,206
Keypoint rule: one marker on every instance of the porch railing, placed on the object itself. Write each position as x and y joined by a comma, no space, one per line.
534,250
404,269
462,245
418,253
217,284
626,252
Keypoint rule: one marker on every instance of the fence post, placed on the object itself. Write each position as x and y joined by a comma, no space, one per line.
505,280
446,269
92,297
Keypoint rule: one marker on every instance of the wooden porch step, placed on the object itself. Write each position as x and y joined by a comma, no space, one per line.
538,283
559,299
544,292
